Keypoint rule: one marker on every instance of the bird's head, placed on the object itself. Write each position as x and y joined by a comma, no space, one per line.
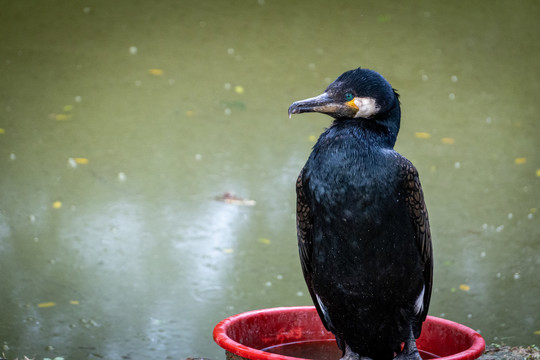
356,94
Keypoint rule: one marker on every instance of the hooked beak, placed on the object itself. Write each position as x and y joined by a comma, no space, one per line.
323,104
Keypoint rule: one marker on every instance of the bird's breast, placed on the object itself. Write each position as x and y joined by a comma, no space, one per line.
354,182
357,204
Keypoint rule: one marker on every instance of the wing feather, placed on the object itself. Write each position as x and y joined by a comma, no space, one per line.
304,226
414,197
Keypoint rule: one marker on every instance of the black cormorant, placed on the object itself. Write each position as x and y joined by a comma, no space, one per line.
362,224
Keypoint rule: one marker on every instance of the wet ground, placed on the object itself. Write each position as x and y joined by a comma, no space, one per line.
504,352
121,122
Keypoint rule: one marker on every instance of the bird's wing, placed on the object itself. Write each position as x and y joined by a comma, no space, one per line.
304,226
420,221
304,223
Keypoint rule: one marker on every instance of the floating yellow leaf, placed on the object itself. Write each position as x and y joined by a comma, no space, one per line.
538,172
228,251
74,302
2,131
68,107
156,72
533,210
519,161
464,287
46,304
57,205
537,332
264,241
62,117
239,89
80,160
190,113
448,141
422,135
312,138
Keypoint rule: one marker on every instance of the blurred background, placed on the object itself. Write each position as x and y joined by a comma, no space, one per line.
123,122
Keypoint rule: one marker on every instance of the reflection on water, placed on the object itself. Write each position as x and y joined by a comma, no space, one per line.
120,123
316,350
321,350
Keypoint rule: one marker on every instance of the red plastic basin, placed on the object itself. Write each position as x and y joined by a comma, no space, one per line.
243,335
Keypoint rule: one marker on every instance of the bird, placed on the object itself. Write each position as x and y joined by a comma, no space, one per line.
362,224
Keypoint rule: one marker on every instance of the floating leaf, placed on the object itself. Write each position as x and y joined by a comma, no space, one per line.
537,332
312,138
57,205
264,241
519,161
384,18
62,117
68,107
464,287
156,72
74,302
46,304
80,160
422,135
448,140
239,89
228,251
538,172
2,131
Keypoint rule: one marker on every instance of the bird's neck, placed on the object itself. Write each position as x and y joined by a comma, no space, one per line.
380,131
390,120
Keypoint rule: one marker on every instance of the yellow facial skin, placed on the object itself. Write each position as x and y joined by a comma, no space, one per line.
352,104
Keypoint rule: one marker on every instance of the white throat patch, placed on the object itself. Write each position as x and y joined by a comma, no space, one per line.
367,107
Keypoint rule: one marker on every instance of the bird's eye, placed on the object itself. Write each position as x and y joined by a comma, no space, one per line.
349,96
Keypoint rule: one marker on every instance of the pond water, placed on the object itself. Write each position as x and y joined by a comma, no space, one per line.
122,121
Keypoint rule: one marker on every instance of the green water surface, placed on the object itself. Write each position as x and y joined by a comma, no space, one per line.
122,121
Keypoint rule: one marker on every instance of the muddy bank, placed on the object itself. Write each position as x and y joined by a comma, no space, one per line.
502,352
